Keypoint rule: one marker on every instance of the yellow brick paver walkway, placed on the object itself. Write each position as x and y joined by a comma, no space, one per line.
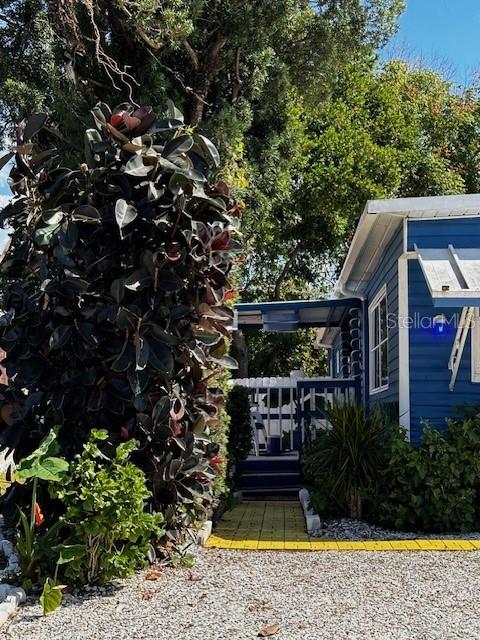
281,526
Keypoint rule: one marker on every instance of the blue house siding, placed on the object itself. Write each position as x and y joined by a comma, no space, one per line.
430,398
386,274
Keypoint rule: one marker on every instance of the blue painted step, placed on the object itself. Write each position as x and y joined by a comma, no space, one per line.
272,493
269,478
259,480
264,464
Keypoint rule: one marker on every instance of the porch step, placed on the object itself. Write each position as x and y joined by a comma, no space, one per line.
258,480
267,464
268,477
271,493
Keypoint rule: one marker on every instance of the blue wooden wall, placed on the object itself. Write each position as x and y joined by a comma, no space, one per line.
430,397
387,273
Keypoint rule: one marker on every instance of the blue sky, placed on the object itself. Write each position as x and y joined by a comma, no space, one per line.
4,188
443,34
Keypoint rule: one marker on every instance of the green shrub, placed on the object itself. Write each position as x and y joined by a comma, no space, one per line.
434,487
115,311
343,463
240,433
107,529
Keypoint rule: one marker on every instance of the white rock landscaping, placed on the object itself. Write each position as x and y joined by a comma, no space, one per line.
10,595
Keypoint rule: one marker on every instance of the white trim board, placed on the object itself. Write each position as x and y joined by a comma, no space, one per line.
404,343
379,296
475,346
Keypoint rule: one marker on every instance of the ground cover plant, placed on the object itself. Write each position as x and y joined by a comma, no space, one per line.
434,487
114,304
106,529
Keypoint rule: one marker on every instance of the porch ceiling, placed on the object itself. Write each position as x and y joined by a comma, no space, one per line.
280,317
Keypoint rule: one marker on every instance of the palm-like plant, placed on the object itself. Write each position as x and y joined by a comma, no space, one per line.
346,459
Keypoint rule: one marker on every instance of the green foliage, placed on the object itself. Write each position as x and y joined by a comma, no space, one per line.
33,547
51,597
435,487
431,488
344,461
107,530
43,464
116,314
219,436
383,131
251,75
240,432
275,354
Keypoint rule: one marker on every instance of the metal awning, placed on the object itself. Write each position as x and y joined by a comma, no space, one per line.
288,316
452,275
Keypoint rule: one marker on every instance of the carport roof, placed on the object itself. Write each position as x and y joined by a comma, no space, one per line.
288,316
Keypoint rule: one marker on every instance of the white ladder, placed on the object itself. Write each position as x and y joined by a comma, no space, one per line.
459,343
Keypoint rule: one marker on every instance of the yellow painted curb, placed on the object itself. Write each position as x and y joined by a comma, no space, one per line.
279,526
214,542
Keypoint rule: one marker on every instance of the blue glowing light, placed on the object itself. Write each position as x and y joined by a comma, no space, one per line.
440,325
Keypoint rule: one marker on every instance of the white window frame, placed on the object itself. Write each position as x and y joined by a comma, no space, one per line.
475,345
380,296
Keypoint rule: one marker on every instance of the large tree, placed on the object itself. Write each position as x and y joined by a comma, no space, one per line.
251,73
385,131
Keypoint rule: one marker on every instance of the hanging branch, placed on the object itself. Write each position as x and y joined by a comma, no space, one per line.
237,85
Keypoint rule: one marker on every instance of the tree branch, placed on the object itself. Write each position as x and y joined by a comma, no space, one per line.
237,85
292,256
140,32
191,54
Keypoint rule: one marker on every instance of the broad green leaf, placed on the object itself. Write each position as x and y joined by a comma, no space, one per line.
138,280
226,361
44,234
34,125
42,463
53,216
69,552
46,468
173,113
6,159
177,146
51,597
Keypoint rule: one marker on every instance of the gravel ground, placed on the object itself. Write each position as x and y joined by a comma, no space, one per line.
232,595
348,529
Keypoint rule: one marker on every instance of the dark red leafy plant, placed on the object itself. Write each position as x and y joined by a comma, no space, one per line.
114,316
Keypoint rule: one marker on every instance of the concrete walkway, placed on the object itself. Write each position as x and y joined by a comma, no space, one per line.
281,526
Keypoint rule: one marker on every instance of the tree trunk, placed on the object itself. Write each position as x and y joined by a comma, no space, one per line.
205,69
241,353
196,105
286,268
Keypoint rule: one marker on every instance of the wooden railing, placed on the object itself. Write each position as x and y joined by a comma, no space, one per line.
315,395
286,407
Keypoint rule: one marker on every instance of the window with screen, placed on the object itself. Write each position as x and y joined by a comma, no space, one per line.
378,332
